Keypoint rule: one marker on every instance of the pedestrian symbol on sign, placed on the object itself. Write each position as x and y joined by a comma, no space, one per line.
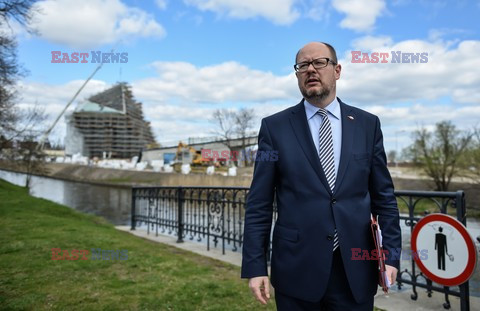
442,235
442,249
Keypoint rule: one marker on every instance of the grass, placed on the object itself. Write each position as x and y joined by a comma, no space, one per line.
425,205
154,277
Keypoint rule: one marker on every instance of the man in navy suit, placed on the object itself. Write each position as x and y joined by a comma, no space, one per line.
322,216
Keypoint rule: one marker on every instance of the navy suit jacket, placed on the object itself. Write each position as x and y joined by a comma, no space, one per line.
308,211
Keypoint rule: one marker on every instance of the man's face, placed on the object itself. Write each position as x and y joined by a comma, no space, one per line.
317,83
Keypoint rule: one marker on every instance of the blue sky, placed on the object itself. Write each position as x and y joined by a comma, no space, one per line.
187,58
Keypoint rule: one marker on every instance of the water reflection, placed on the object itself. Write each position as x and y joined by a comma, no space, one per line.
112,203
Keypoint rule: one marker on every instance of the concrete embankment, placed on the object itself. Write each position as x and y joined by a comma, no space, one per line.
110,176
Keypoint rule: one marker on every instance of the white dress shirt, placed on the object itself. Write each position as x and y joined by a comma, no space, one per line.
315,121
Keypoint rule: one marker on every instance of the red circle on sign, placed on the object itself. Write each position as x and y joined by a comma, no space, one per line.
472,251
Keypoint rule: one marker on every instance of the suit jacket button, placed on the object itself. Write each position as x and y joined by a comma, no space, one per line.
329,237
334,201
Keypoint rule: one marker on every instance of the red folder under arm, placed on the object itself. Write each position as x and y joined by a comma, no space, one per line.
377,239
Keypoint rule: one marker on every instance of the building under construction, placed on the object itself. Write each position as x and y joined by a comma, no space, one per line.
109,124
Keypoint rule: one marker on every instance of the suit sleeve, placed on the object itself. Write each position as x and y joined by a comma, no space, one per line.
259,209
384,203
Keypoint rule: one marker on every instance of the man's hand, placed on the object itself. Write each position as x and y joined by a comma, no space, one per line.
260,287
391,273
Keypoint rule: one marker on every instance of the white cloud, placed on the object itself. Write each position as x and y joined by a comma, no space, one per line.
398,123
172,123
365,44
420,114
318,10
360,14
225,82
450,72
279,12
59,95
54,98
161,4
91,23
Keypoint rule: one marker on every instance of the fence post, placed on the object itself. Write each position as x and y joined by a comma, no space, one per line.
223,226
461,216
461,207
180,200
132,217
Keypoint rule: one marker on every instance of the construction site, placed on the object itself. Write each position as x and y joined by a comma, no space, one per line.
109,124
109,130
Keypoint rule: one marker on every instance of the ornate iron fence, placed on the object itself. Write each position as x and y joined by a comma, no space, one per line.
214,215
204,214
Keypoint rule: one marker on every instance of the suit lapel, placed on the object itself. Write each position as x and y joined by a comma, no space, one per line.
348,130
301,129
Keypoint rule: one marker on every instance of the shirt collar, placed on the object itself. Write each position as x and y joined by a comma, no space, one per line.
333,108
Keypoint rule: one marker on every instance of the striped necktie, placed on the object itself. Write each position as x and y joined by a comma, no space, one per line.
325,153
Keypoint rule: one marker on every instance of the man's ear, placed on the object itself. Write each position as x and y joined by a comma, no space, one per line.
338,70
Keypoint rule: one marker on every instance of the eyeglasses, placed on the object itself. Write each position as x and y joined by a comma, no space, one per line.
317,63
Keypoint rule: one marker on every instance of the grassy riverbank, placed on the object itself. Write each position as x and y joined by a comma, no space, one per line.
154,277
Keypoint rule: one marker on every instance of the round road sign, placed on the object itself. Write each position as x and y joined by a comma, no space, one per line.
451,252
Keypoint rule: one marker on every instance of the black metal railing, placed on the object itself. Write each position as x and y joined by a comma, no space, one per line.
214,215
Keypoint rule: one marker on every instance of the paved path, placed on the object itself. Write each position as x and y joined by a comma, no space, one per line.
234,258
396,300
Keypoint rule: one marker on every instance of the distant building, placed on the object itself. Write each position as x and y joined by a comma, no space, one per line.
108,124
170,152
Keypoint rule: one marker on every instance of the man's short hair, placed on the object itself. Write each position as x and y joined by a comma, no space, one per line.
330,48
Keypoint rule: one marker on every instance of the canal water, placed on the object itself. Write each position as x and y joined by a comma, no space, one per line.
114,204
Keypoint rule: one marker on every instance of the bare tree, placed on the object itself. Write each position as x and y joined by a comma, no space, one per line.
472,158
244,119
21,149
225,120
21,124
18,128
10,69
234,124
9,73
440,153
18,10
31,158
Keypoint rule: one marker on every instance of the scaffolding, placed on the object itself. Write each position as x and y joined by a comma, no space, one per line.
109,123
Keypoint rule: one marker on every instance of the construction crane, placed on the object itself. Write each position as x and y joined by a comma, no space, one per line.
47,132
